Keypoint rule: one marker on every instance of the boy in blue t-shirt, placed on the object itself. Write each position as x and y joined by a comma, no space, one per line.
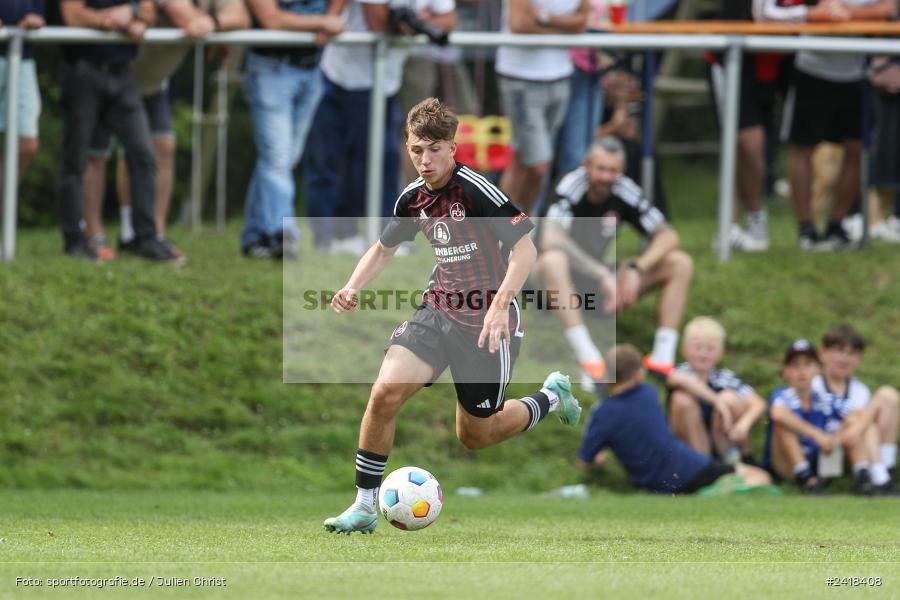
631,423
799,417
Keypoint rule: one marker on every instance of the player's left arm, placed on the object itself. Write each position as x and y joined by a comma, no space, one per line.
496,321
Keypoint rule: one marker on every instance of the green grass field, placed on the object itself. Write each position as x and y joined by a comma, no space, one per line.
506,546
145,432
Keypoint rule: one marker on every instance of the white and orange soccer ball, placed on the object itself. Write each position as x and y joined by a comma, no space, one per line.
410,498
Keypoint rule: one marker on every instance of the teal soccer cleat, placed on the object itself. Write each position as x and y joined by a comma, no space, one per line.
569,409
356,518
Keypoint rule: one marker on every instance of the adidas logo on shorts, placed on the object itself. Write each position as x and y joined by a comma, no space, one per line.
485,404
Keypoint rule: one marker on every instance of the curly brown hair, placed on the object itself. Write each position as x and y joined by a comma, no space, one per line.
432,120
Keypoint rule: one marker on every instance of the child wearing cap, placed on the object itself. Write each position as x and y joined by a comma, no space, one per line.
711,408
866,419
797,428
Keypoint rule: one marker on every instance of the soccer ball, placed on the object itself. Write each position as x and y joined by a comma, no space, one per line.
410,498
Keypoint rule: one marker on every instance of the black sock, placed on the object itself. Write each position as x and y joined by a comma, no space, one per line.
538,405
369,469
834,226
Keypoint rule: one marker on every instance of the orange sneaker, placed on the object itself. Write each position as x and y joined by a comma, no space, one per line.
596,370
101,248
663,369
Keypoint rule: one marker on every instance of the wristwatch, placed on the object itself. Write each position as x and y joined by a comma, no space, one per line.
543,17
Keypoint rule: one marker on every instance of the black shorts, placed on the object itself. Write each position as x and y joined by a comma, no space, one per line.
817,110
708,476
756,104
886,146
159,115
480,377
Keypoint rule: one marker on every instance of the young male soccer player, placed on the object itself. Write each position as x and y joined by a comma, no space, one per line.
842,352
632,424
711,408
465,218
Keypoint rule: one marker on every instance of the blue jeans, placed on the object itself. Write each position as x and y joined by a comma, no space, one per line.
283,100
582,119
334,169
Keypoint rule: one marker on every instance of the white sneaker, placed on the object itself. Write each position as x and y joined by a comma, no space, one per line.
352,246
893,222
743,241
853,225
884,232
757,235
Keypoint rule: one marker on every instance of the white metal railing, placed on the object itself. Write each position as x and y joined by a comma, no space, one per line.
734,46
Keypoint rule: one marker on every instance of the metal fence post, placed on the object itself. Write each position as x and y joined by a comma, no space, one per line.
11,162
374,170
728,156
221,147
197,138
648,160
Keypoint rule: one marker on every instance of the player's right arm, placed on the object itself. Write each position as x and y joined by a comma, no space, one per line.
367,269
787,418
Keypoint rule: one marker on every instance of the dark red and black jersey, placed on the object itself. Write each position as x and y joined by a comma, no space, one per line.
471,226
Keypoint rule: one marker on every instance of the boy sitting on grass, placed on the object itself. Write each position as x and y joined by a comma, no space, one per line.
631,423
856,409
710,408
799,417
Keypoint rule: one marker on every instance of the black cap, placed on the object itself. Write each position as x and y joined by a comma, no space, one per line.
800,348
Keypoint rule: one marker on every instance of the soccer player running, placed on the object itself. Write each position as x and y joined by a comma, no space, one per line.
466,219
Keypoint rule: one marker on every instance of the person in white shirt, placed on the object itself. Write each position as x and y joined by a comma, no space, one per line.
534,86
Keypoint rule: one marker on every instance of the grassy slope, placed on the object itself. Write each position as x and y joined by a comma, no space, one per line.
609,545
131,375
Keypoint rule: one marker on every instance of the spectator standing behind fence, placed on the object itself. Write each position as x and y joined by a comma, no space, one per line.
584,112
534,87
335,165
809,119
710,408
151,69
97,87
283,87
582,221
885,78
28,14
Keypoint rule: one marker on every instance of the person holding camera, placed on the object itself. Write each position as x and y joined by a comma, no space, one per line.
338,153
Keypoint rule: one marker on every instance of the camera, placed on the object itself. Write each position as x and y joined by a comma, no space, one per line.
407,16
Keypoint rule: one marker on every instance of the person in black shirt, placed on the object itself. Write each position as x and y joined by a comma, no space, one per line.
589,206
469,320
97,87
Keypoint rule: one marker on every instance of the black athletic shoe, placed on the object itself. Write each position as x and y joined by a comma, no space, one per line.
809,483
80,249
285,247
128,246
808,237
862,483
835,238
257,251
155,250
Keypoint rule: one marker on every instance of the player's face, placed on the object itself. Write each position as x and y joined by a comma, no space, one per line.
433,159
702,352
840,361
603,170
800,372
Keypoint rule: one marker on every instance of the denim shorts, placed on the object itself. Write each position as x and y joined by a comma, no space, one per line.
29,98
